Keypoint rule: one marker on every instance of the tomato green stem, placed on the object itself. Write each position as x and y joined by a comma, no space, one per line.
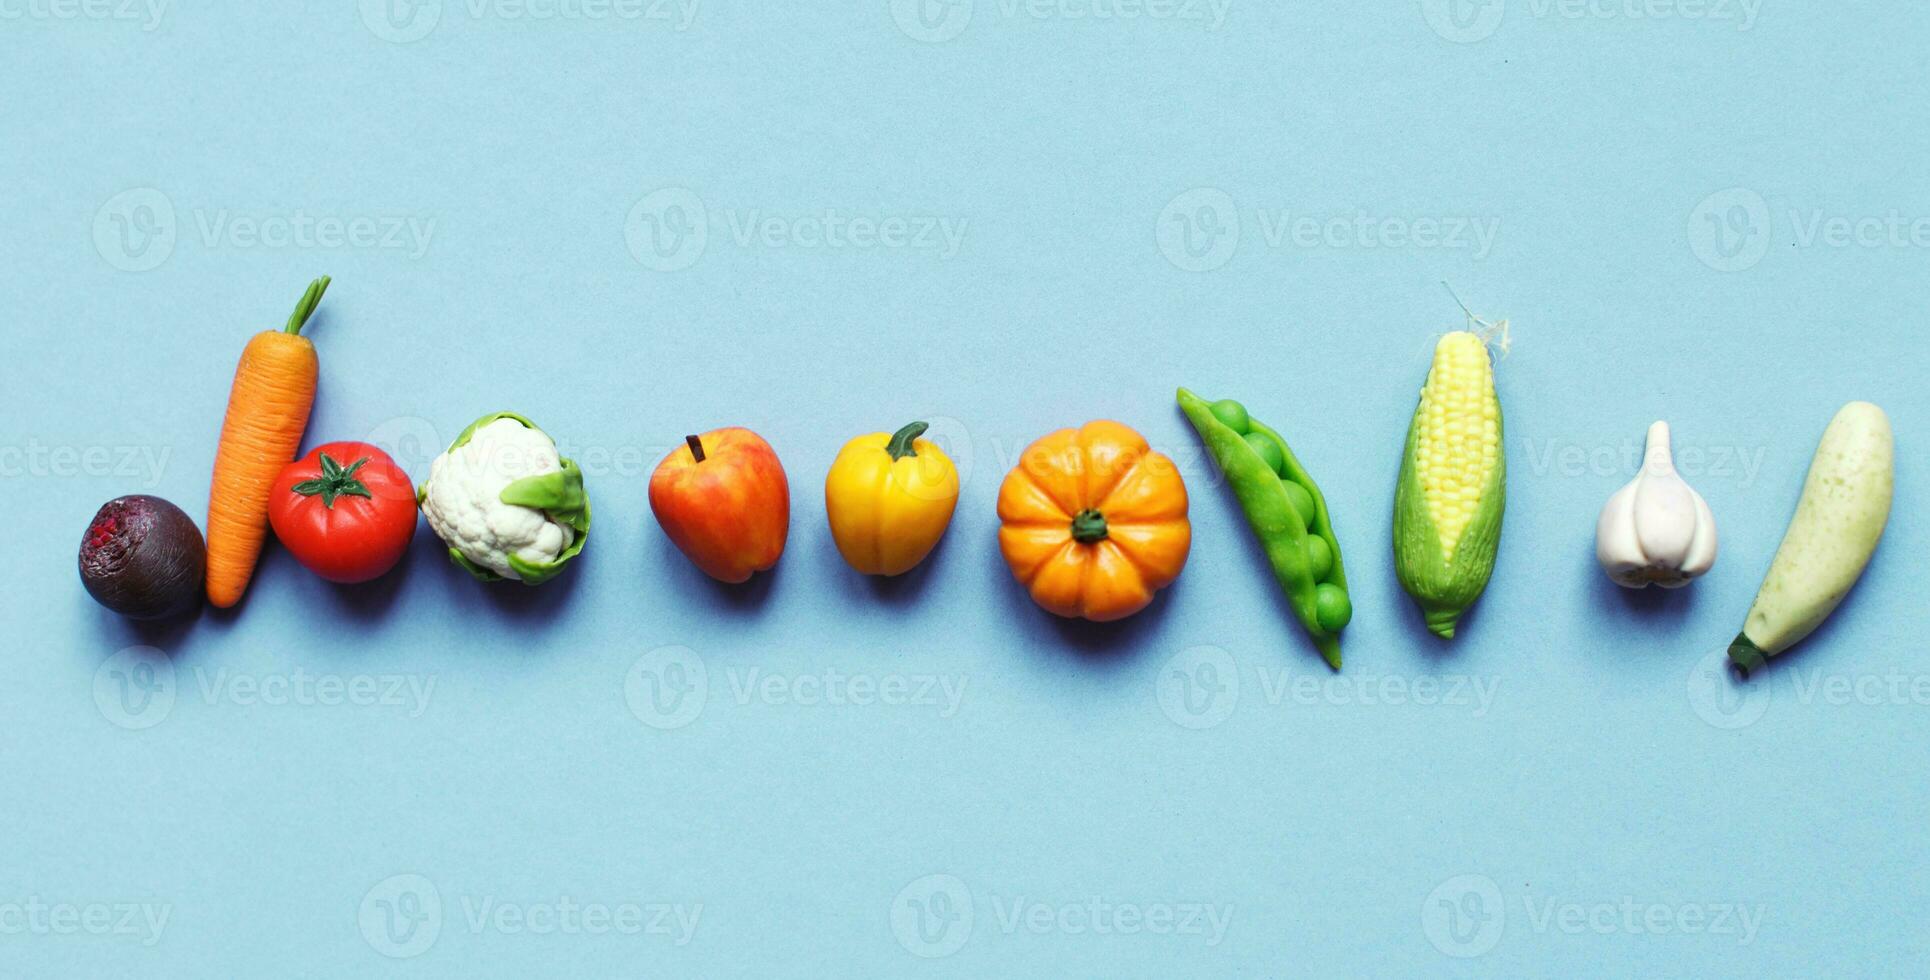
902,440
336,481
306,308
1089,527
696,447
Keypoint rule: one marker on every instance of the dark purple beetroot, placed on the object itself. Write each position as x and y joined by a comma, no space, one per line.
143,558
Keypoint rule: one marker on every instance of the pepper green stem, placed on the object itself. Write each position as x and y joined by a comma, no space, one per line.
696,447
1089,527
306,308
901,446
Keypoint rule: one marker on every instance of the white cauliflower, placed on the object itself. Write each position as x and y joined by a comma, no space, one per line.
462,498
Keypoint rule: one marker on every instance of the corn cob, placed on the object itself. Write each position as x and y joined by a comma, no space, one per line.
1448,504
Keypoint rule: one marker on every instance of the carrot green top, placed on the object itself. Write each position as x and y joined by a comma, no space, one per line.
304,309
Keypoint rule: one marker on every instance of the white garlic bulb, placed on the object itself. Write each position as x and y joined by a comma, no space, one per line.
1657,528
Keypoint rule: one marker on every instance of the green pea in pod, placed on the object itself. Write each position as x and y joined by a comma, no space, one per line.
475,545
1286,511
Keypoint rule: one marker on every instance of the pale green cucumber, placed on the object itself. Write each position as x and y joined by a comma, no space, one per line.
1846,502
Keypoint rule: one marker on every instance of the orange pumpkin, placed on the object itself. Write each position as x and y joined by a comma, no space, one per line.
1093,522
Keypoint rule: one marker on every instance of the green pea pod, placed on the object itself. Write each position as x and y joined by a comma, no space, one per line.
1286,511
559,494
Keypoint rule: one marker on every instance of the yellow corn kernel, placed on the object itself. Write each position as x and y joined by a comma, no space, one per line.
1458,447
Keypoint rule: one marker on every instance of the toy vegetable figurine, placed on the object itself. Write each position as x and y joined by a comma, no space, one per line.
889,499
1453,485
1839,520
1287,512
506,504
268,408
345,511
723,499
1093,522
143,557
1656,528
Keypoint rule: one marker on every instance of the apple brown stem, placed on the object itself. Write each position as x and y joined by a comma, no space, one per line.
696,447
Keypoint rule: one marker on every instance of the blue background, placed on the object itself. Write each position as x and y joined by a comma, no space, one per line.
1651,182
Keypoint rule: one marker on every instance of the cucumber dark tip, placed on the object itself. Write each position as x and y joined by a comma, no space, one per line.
1746,655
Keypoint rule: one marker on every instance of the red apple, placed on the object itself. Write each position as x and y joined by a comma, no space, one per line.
723,500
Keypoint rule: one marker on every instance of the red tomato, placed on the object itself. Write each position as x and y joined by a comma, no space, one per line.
345,510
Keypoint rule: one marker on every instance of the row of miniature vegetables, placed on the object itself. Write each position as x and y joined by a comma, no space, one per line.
1092,521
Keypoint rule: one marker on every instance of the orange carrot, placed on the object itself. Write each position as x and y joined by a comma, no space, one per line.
267,413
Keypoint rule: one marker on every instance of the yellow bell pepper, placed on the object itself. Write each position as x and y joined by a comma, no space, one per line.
889,499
